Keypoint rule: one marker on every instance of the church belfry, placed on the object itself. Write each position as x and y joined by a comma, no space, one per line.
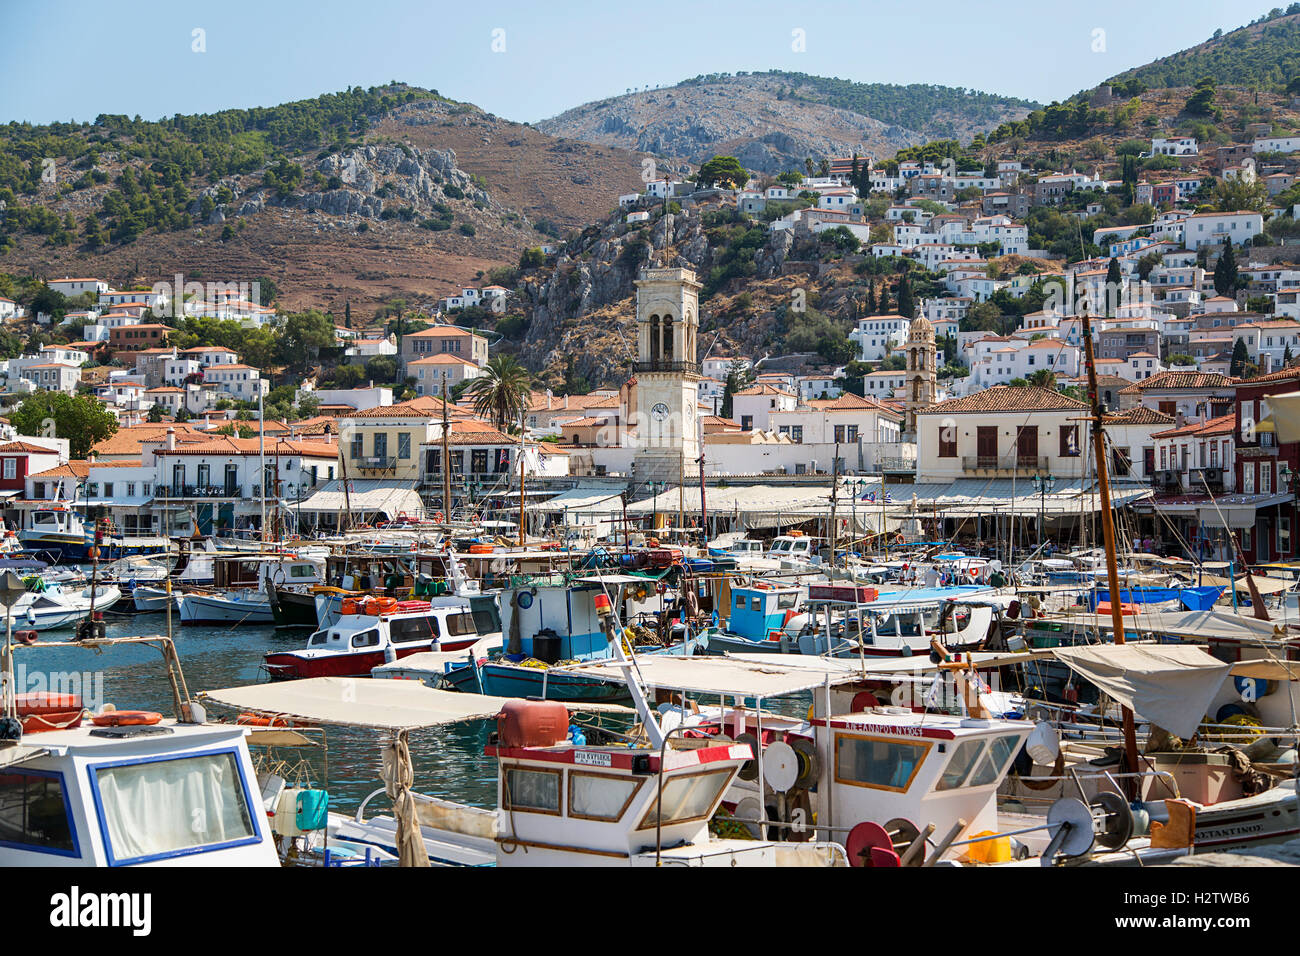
922,372
667,374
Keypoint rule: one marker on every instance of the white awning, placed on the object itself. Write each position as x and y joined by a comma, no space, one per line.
365,702
366,496
1170,685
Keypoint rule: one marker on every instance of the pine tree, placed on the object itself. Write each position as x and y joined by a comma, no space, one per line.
871,299
906,304
884,298
1225,270
1240,358
1286,357
347,314
1114,283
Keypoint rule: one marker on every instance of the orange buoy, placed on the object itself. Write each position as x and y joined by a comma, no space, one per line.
126,718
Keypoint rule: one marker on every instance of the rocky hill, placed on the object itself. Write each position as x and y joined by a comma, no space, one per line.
421,197
775,121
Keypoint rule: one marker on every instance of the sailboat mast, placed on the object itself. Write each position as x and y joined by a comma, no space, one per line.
446,459
1108,537
261,453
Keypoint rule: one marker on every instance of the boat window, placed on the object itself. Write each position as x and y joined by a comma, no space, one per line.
1000,753
877,762
756,604
320,637
486,618
535,790
368,638
165,808
740,601
780,545
689,797
34,813
302,571
458,625
960,764
594,796
407,629
786,599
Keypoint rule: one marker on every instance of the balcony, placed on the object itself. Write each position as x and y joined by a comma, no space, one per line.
199,491
661,365
988,466
375,463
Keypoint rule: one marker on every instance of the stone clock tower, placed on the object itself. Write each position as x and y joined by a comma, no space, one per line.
667,375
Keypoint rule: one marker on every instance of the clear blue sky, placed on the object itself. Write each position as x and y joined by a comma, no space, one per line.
75,59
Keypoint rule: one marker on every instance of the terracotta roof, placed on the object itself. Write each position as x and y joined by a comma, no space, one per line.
127,440
71,469
23,446
1281,375
443,358
1223,425
229,445
426,406
1139,415
848,401
1173,378
124,463
765,389
1004,398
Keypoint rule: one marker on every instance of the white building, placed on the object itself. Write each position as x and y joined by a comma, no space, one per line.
878,336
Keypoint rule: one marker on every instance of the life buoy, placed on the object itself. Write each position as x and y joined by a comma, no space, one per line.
126,718
437,516
899,539
277,720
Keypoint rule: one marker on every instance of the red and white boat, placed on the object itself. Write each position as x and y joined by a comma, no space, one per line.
380,631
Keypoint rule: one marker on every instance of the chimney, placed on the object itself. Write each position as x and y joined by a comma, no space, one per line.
1180,420
171,439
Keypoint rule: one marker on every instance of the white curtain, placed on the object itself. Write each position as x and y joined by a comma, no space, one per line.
169,805
603,797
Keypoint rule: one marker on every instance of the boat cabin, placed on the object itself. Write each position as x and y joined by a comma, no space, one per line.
759,609
794,545
357,643
170,793
553,623
261,571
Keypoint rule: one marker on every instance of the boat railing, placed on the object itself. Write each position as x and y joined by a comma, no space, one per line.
1078,777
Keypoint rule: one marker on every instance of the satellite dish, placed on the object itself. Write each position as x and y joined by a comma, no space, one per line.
780,766
1070,823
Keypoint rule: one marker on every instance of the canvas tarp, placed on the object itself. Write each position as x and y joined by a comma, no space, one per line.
1198,625
366,497
366,702
1169,685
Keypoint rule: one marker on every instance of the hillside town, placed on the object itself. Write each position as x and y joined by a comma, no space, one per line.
765,469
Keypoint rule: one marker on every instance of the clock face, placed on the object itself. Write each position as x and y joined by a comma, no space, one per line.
660,411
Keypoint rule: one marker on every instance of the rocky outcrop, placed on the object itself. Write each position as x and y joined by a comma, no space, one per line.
422,180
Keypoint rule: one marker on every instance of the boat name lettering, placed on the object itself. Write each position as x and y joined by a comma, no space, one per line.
593,758
888,729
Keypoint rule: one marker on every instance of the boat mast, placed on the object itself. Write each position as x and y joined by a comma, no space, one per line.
261,453
446,459
1108,536
523,535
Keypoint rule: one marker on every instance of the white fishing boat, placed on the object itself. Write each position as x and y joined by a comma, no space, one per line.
52,605
119,787
242,583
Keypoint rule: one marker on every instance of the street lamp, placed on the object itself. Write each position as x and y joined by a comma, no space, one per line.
1043,484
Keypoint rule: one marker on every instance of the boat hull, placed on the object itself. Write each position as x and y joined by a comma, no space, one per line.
293,608
215,609
293,665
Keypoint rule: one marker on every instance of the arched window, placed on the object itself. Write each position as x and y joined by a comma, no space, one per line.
668,338
654,338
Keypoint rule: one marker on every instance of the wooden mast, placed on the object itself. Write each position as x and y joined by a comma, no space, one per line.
1108,538
446,459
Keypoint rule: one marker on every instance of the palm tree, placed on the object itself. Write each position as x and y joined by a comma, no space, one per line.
501,392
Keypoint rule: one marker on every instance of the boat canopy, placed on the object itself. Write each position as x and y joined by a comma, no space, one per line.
1170,685
366,702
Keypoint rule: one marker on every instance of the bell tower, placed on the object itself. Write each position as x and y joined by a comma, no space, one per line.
667,375
922,374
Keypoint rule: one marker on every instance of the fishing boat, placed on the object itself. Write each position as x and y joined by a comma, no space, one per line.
119,787
550,624
380,630
240,588
50,605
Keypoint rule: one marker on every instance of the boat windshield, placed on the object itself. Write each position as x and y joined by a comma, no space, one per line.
174,807
689,797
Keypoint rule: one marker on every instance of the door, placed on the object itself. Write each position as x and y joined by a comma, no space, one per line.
1027,446
986,445
1262,541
